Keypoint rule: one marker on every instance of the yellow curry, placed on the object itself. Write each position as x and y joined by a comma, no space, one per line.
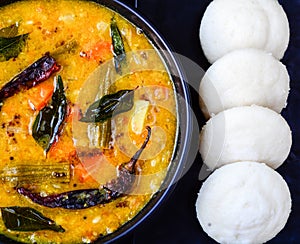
87,123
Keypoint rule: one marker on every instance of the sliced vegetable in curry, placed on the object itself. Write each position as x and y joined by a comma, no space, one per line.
22,174
87,129
87,198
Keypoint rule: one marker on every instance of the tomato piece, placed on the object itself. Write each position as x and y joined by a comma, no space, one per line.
100,51
41,96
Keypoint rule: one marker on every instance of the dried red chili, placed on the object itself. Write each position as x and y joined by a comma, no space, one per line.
34,74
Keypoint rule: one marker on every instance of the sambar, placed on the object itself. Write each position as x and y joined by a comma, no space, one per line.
48,152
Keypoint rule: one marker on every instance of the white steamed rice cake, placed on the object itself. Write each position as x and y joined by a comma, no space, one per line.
244,202
244,77
234,24
249,133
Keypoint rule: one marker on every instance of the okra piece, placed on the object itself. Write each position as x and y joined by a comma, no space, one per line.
20,174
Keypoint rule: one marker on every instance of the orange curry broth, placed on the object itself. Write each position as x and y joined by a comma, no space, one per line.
52,24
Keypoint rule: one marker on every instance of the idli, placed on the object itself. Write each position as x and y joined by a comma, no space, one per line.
249,133
228,25
244,202
244,77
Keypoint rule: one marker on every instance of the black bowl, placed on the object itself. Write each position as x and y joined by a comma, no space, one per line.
184,114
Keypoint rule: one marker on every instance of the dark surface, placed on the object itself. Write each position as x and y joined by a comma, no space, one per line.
175,221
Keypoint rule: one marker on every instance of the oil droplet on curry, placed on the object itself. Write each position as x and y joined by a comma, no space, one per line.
88,121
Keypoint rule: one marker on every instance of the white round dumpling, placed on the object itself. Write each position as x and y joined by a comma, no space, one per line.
279,32
244,202
249,133
244,77
228,25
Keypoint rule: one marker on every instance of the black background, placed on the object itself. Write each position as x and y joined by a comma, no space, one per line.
175,220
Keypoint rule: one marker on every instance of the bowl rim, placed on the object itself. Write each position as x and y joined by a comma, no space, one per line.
184,115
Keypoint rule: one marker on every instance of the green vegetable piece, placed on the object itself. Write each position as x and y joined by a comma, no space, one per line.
27,219
49,120
118,46
109,106
10,47
30,173
9,31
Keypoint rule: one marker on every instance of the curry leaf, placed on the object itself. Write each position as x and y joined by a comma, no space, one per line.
108,106
9,31
118,46
10,47
27,219
49,120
